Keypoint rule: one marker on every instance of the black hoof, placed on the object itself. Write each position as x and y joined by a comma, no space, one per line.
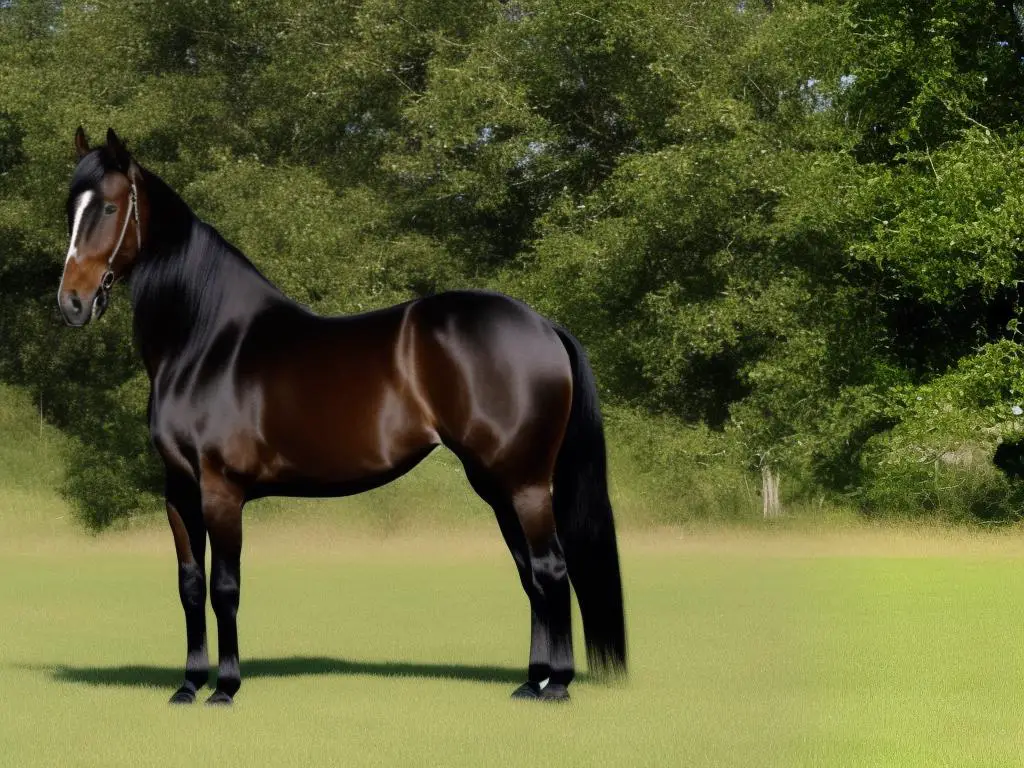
220,699
534,692
527,690
184,695
555,692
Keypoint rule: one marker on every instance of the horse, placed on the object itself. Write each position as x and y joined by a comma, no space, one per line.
253,394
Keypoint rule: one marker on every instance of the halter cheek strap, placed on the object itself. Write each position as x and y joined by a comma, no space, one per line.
108,279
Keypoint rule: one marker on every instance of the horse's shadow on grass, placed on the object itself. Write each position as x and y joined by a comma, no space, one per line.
145,676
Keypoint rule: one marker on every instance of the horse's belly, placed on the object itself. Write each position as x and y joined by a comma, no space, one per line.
292,483
343,439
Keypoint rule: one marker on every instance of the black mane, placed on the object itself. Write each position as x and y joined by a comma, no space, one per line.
188,278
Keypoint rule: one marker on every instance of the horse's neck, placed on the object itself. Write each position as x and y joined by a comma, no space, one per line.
187,286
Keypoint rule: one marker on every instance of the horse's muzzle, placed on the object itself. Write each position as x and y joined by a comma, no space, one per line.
77,311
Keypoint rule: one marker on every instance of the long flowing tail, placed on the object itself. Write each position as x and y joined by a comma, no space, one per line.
583,515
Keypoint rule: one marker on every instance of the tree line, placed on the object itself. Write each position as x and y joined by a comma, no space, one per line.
794,226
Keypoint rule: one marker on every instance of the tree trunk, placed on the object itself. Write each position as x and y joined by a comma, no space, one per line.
770,492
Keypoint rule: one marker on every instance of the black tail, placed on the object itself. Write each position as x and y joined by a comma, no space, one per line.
583,515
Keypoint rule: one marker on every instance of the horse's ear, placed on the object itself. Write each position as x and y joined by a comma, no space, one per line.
81,143
120,151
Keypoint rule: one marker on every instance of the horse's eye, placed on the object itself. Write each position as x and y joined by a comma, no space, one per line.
109,208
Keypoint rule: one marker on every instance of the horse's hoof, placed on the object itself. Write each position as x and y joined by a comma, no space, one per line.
555,692
528,690
220,699
184,695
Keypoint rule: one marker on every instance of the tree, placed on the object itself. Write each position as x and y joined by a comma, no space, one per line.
780,221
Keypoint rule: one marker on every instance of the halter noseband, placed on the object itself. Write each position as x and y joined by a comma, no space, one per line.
109,278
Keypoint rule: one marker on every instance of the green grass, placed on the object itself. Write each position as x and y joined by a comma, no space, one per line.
747,649
792,645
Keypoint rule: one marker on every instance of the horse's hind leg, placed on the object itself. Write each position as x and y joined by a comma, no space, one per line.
526,520
550,577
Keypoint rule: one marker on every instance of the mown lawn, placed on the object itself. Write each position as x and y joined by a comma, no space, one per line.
748,648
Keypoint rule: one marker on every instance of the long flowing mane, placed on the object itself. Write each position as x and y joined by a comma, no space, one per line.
188,276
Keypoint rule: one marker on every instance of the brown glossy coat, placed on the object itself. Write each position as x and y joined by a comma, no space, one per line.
254,395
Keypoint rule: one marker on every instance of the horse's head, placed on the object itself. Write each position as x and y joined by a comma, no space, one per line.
104,224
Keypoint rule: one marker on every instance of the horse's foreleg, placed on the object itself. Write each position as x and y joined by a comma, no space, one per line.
184,513
222,513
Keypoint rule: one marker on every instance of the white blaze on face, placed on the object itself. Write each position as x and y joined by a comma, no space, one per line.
80,206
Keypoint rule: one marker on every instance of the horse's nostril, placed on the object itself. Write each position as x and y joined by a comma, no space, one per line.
75,302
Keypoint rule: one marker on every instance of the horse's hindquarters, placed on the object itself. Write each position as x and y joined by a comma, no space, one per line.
496,379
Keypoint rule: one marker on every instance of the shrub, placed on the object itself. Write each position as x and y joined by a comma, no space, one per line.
938,459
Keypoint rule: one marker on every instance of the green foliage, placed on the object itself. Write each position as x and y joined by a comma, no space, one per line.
774,224
938,459
336,252
112,472
30,450
667,472
953,219
926,71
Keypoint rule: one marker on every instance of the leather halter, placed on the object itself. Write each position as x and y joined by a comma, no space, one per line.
109,278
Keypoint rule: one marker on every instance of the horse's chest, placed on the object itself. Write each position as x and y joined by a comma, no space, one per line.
207,427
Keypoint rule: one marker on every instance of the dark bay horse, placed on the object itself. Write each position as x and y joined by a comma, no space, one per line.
252,395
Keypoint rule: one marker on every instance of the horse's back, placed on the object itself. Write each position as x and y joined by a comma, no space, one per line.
333,401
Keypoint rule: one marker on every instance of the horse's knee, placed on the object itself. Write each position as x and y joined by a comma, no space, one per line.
191,586
224,592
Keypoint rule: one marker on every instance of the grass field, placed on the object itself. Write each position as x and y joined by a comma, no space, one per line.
747,649
782,646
